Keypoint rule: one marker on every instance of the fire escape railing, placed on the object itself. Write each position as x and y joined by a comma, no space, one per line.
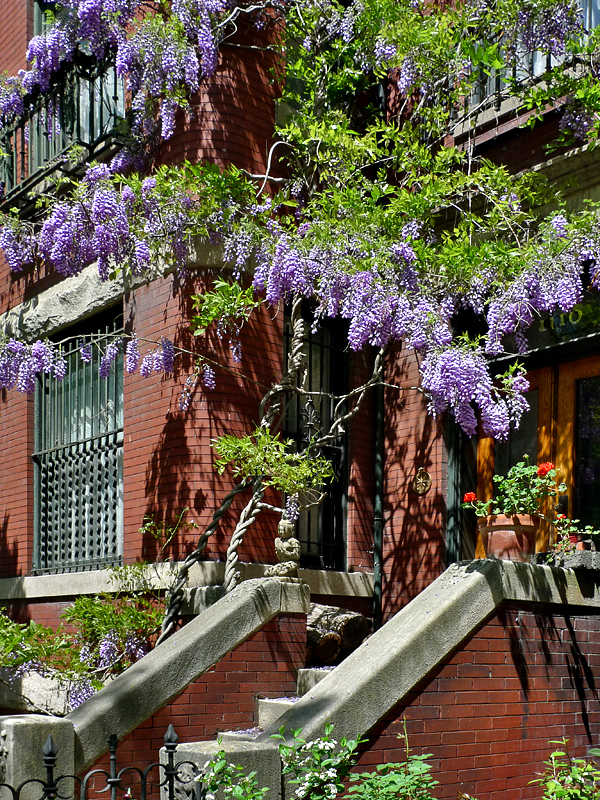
84,107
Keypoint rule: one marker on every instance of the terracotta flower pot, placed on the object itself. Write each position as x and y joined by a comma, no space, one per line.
511,538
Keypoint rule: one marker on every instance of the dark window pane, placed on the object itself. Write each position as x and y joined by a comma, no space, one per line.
586,483
79,464
321,529
523,441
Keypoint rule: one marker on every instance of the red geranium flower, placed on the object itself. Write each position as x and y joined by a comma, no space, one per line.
545,468
470,497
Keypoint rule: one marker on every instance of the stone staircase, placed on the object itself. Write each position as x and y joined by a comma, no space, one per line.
270,710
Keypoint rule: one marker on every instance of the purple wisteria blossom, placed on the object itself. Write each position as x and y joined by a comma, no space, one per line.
208,377
292,508
185,398
85,352
79,692
108,650
132,356
110,355
147,365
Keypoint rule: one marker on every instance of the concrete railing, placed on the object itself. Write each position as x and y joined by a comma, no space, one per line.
390,664
420,637
147,686
354,696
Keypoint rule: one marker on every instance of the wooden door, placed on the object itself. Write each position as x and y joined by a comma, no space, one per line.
567,401
578,437
540,446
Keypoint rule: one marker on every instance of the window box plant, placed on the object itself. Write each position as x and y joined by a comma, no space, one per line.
509,521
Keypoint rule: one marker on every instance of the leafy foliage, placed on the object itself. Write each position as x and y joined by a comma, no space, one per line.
219,774
410,780
103,635
267,456
568,778
318,767
163,533
523,490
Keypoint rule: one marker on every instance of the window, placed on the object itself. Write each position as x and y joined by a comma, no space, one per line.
78,462
321,530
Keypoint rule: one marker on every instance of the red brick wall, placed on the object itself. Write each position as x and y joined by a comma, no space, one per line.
15,32
167,457
265,665
16,484
168,461
16,411
234,112
414,525
44,612
486,716
361,487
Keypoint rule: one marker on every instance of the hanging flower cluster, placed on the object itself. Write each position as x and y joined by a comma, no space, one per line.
21,363
106,222
161,57
358,240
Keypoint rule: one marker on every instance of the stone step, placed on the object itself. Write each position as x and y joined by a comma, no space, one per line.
270,709
308,678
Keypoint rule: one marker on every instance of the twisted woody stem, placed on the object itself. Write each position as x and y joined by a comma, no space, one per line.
247,517
270,410
175,595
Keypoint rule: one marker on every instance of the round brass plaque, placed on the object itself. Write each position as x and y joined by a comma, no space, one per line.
422,481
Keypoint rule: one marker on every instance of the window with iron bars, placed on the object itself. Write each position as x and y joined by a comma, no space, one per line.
83,107
78,460
321,529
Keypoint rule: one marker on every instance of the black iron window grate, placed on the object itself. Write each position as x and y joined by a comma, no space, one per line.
78,462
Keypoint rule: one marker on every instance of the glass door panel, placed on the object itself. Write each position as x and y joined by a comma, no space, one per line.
522,442
586,461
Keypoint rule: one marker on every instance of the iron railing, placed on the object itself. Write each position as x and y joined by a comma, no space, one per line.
170,780
529,65
83,107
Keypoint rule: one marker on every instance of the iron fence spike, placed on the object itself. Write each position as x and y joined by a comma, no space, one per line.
170,736
49,749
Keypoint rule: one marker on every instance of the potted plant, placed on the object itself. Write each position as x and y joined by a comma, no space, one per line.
508,522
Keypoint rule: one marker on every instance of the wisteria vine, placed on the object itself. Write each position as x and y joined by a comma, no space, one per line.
359,225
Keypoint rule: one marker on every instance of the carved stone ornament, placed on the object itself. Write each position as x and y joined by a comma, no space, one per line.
422,481
287,548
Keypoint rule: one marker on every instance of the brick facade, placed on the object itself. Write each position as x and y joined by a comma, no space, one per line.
487,714
414,525
226,697
167,455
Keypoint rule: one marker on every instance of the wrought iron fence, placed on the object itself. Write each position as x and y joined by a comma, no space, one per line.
172,779
83,108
